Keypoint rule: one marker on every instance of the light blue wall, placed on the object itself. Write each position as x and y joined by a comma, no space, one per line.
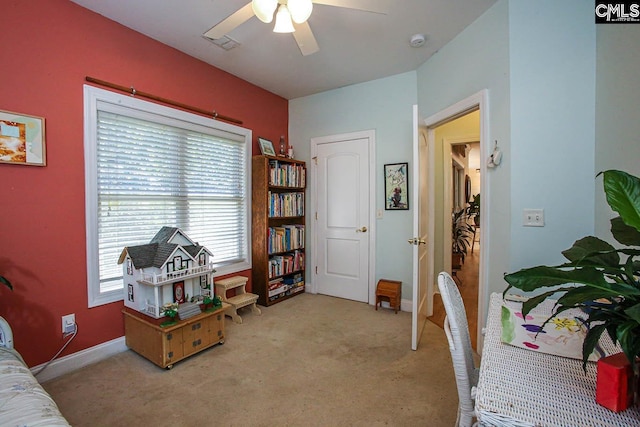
552,60
475,60
384,105
537,59
617,107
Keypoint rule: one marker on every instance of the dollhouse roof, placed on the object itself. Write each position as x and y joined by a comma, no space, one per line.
157,252
165,234
193,250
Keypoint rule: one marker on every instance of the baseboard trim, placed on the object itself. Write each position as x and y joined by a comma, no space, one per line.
80,359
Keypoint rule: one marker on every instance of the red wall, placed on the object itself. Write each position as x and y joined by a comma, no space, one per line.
48,47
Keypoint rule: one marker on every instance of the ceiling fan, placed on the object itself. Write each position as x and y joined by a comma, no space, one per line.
291,17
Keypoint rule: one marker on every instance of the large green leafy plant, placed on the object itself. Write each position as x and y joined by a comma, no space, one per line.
599,279
461,233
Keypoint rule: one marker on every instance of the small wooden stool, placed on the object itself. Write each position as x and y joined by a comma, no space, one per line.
391,290
241,299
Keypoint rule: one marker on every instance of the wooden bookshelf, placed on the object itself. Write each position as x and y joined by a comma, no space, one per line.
278,228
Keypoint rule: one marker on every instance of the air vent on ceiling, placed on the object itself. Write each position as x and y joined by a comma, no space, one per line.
225,42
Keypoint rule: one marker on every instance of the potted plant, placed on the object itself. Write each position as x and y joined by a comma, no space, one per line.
169,310
208,302
473,210
217,302
599,279
462,233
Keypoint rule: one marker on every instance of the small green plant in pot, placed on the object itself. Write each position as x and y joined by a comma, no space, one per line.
170,310
217,301
599,279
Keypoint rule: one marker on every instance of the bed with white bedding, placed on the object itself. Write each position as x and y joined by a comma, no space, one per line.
23,401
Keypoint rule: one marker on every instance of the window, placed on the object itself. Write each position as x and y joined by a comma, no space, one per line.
147,166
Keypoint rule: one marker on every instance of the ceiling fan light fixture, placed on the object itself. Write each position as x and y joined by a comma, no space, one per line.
283,21
300,10
264,9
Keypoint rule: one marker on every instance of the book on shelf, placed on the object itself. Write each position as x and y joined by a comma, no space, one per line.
286,290
294,279
276,283
283,174
286,204
279,290
285,238
279,265
297,288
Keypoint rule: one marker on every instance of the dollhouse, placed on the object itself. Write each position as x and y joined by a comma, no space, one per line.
171,268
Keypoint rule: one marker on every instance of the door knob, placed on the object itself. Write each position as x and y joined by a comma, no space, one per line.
416,241
361,230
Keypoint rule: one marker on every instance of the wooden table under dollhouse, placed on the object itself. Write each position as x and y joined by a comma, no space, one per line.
165,346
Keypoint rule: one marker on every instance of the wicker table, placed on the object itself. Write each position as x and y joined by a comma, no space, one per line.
519,387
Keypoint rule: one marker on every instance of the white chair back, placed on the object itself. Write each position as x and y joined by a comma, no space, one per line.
457,330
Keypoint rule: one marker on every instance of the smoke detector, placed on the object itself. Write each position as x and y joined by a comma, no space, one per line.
417,40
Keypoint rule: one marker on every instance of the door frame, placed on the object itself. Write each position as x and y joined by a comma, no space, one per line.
479,100
447,185
370,135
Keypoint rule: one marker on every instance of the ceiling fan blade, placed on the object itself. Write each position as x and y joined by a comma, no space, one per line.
375,6
305,39
227,25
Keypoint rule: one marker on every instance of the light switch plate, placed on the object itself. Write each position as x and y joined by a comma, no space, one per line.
533,217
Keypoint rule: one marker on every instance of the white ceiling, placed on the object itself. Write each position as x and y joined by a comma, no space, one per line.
355,46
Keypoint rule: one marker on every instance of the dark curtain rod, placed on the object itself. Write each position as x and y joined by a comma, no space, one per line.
135,92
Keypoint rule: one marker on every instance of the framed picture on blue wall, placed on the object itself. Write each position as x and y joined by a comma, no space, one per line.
396,186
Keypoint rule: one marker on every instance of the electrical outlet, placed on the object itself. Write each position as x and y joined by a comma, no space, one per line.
533,217
68,324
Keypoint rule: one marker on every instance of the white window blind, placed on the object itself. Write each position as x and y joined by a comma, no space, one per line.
155,170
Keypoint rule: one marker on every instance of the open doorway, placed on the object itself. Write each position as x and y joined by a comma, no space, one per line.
459,138
456,231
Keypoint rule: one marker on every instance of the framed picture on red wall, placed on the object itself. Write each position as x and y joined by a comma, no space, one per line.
178,292
22,139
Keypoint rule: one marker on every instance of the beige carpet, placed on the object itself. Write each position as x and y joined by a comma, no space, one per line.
309,361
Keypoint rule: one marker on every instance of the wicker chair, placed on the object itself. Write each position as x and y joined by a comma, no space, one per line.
457,330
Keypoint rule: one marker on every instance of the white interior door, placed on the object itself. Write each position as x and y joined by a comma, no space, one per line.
422,229
343,216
